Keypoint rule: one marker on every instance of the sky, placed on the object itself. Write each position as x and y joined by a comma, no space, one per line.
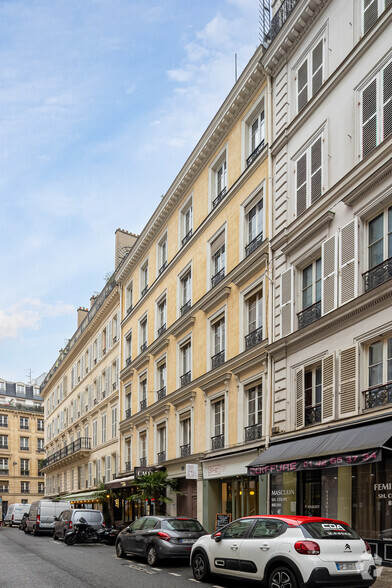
101,103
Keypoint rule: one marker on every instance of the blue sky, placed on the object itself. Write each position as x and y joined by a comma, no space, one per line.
101,102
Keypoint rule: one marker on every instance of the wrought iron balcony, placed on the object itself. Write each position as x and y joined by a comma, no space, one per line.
161,393
255,153
24,427
218,442
128,466
143,347
280,17
144,291
187,237
114,386
161,330
81,444
162,268
185,378
378,275
161,456
312,414
24,448
254,244
309,315
220,197
40,449
252,433
143,404
185,307
128,360
378,395
143,462
218,277
218,359
185,450
254,338
128,413
129,309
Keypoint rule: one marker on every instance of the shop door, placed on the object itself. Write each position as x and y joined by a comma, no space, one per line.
187,500
310,493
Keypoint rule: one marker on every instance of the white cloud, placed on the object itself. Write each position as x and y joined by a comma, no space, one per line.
27,314
180,75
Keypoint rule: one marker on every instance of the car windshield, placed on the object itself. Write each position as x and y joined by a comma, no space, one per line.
182,525
329,530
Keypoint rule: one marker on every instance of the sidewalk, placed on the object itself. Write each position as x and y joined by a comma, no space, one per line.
385,579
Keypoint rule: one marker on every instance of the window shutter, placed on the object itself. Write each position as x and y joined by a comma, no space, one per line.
301,170
387,101
99,345
348,265
90,396
317,67
370,14
90,358
303,85
328,388
347,382
107,382
300,397
107,337
286,297
83,366
117,372
118,326
316,170
99,389
109,333
369,118
329,275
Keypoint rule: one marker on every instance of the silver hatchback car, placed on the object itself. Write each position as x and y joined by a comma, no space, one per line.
158,537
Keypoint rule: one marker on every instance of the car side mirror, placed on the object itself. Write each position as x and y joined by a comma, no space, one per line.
56,519
129,530
218,537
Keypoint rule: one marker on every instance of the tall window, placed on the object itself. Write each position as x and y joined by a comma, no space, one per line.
40,445
161,373
162,254
186,363
257,135
144,279
128,348
218,259
161,432
309,176
218,179
313,391
25,487
24,423
143,449
128,455
129,297
161,316
108,468
186,291
185,432
114,422
254,316
3,420
128,401
143,334
218,342
376,110
310,75
24,443
371,10
4,441
40,425
311,284
380,238
221,179
103,428
380,362
24,467
255,413
186,222
254,226
218,415
143,392
4,466
95,433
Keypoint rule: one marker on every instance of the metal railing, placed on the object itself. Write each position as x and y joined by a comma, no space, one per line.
161,393
128,360
218,277
312,414
3,445
161,330
143,462
254,338
81,444
218,359
24,472
162,268
252,433
255,153
218,442
378,395
128,413
143,347
24,448
187,237
254,244
185,450
25,490
185,307
144,291
220,197
280,17
143,404
309,315
185,378
129,309
378,274
4,489
161,456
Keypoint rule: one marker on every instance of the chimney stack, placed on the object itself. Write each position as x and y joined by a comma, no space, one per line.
82,313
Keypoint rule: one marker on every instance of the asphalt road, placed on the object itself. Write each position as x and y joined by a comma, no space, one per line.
40,562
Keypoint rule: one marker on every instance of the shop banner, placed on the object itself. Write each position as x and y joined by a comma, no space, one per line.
317,463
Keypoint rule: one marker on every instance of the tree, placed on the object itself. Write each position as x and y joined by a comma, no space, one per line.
153,487
108,497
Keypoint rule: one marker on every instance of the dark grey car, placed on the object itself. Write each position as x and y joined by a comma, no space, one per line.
156,537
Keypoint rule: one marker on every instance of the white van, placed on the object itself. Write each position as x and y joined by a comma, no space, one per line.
15,513
42,513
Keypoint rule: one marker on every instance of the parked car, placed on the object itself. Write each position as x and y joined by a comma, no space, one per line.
15,513
286,552
158,537
66,521
42,513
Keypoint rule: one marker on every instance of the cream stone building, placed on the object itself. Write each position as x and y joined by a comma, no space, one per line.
21,443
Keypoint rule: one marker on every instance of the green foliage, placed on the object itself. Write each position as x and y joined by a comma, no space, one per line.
153,487
103,494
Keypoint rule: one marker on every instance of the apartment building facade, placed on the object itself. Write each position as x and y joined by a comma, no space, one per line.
21,443
194,297
330,65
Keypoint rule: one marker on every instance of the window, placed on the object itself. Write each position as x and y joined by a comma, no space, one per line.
254,398
218,179
108,468
128,455
313,391
186,222
161,377
40,445
162,254
185,432
4,441
25,487
103,428
311,294
3,420
2,385
309,177
40,425
376,110
186,291
218,424
24,467
95,433
20,388
380,362
128,348
161,316
41,488
256,137
221,180
254,318
186,363
371,10
4,466
143,391
114,422
254,216
144,279
143,334
143,449
161,440
36,391
380,238
218,259
218,342
128,401
24,443
310,75
129,297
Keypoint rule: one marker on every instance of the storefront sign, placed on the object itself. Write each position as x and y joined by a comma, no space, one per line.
317,463
143,471
192,471
222,520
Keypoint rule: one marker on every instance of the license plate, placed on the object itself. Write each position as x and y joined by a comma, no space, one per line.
346,565
187,540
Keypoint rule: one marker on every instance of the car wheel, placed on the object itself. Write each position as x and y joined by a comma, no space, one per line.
200,568
152,558
55,538
120,549
282,577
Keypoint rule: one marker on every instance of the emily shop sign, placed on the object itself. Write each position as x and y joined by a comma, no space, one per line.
347,459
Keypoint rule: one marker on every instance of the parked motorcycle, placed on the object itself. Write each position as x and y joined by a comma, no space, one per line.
23,522
83,532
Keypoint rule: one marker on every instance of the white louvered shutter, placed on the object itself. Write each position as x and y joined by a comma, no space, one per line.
107,381
369,118
117,373
317,67
300,397
286,298
329,263
302,85
370,14
316,176
90,396
83,362
328,388
99,387
110,334
301,184
118,326
387,100
348,382
99,346
90,357
348,262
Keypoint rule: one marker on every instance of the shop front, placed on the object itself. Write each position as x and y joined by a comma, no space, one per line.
345,475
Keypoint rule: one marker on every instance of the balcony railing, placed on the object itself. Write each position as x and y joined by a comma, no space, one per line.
218,442
185,450
128,413
128,360
24,448
255,153
312,415
218,359
143,347
161,456
129,309
25,490
185,307
161,393
161,330
144,291
378,395
220,197
24,473
40,449
128,466
378,275
218,277
254,244
162,268
143,404
185,378
83,443
24,427
254,338
143,462
186,238
41,490
252,433
280,17
309,315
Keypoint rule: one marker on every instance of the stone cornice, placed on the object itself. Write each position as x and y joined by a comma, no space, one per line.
295,235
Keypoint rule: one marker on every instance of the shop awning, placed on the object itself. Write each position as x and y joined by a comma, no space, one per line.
121,483
353,446
81,497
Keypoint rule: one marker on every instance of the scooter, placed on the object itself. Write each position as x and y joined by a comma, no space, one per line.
82,532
